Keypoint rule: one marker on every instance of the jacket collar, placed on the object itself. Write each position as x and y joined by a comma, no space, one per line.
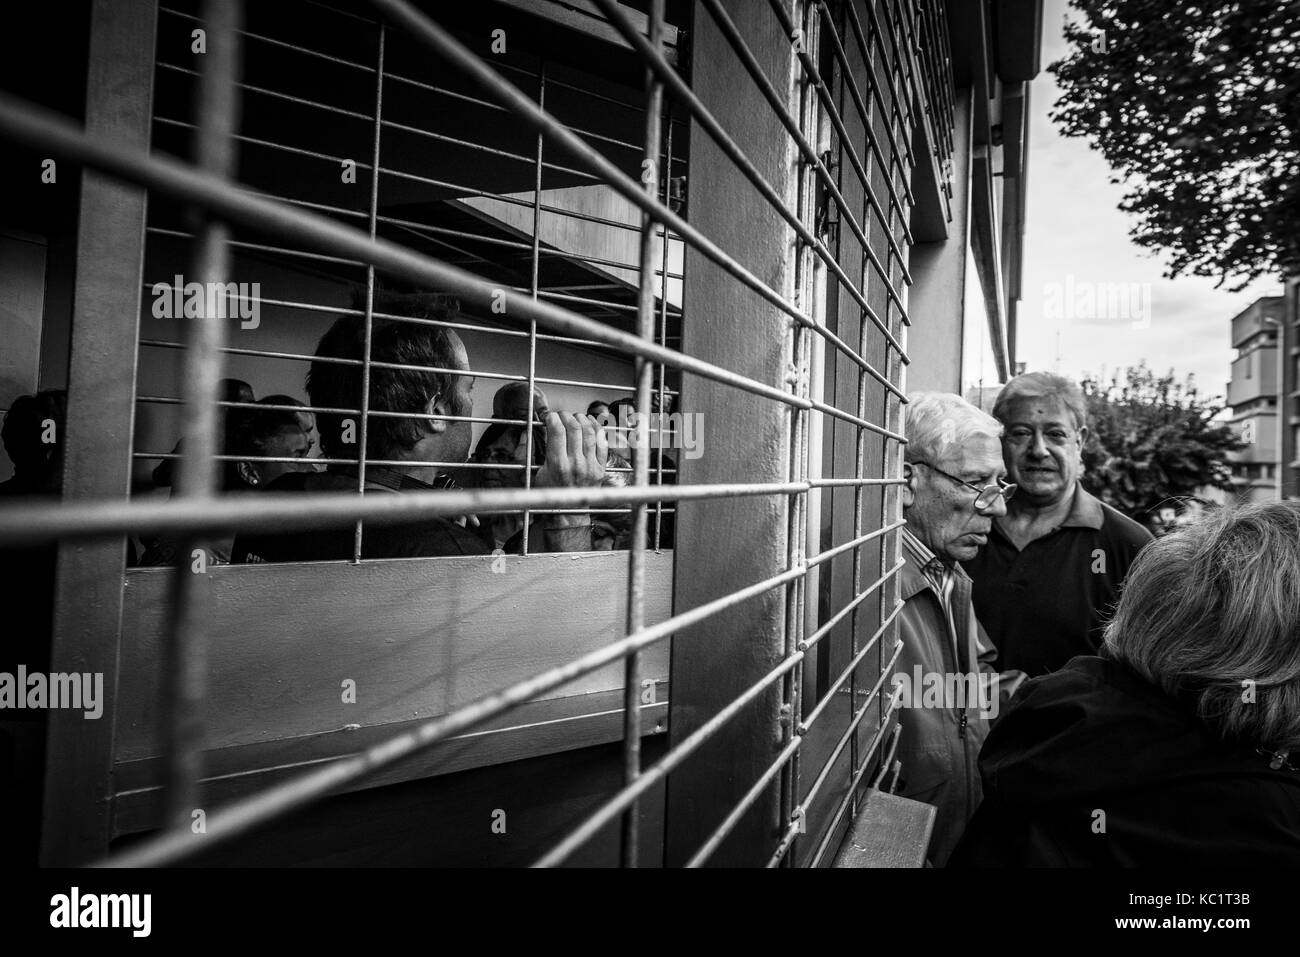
912,578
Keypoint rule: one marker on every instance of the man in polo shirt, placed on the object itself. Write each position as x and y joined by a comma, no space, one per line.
1055,562
954,491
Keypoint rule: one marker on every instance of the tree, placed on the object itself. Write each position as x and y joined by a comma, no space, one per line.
1196,107
1152,442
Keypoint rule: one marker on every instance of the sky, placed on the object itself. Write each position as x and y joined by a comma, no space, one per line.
1076,239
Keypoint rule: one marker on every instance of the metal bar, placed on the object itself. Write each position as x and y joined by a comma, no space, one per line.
270,805
663,274
819,406
656,63
661,768
832,113
446,46
535,272
368,338
852,543
35,126
792,831
856,95
750,62
853,783
645,321
858,656
216,106
32,524
738,811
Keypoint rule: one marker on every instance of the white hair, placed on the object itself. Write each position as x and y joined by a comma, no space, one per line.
937,424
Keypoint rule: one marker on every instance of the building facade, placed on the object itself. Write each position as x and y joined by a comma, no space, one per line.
1255,396
776,219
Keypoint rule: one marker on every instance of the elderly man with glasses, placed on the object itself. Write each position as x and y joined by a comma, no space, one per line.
954,489
1056,560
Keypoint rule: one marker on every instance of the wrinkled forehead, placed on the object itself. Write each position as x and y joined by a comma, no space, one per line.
977,455
1039,411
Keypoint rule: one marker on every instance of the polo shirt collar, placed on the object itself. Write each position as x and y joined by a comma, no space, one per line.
1085,510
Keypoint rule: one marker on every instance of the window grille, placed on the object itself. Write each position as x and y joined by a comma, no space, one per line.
518,137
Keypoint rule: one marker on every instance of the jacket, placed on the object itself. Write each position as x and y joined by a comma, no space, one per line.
938,746
1094,766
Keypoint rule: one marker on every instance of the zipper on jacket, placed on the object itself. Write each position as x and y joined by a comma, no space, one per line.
961,727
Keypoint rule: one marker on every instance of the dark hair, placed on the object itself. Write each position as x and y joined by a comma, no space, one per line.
251,430
24,428
497,429
338,385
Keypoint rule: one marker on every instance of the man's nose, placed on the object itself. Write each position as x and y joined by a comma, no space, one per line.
1038,448
996,509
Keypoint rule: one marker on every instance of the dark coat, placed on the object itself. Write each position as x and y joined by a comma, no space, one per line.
1094,767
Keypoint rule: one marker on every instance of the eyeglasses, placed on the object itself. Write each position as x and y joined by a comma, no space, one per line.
986,495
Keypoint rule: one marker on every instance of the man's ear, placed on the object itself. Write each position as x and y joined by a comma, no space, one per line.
437,405
908,487
1083,436
248,473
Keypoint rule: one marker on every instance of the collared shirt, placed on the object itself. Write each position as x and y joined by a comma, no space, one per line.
938,745
1046,603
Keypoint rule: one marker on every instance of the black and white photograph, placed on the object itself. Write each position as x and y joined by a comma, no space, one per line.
855,435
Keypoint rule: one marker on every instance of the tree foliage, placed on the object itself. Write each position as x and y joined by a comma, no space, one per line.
1196,107
1152,441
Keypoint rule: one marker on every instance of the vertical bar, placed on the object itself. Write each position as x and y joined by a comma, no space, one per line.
663,314
370,287
535,277
892,457
645,322
216,111
76,824
799,532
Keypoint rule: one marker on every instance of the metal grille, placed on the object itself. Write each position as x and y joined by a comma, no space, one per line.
860,74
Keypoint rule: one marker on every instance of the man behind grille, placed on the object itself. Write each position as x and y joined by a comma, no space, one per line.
953,472
435,447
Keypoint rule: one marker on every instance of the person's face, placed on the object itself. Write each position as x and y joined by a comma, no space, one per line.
287,443
1042,448
308,422
507,449
456,437
941,513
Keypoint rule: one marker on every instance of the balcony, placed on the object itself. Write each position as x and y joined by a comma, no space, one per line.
1253,375
1260,432
1251,321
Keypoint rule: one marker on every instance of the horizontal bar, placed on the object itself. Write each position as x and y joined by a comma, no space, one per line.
41,128
683,93
811,640
446,46
819,406
764,85
889,756
853,482
732,819
660,769
31,523
858,542
857,777
802,809
274,803
798,816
